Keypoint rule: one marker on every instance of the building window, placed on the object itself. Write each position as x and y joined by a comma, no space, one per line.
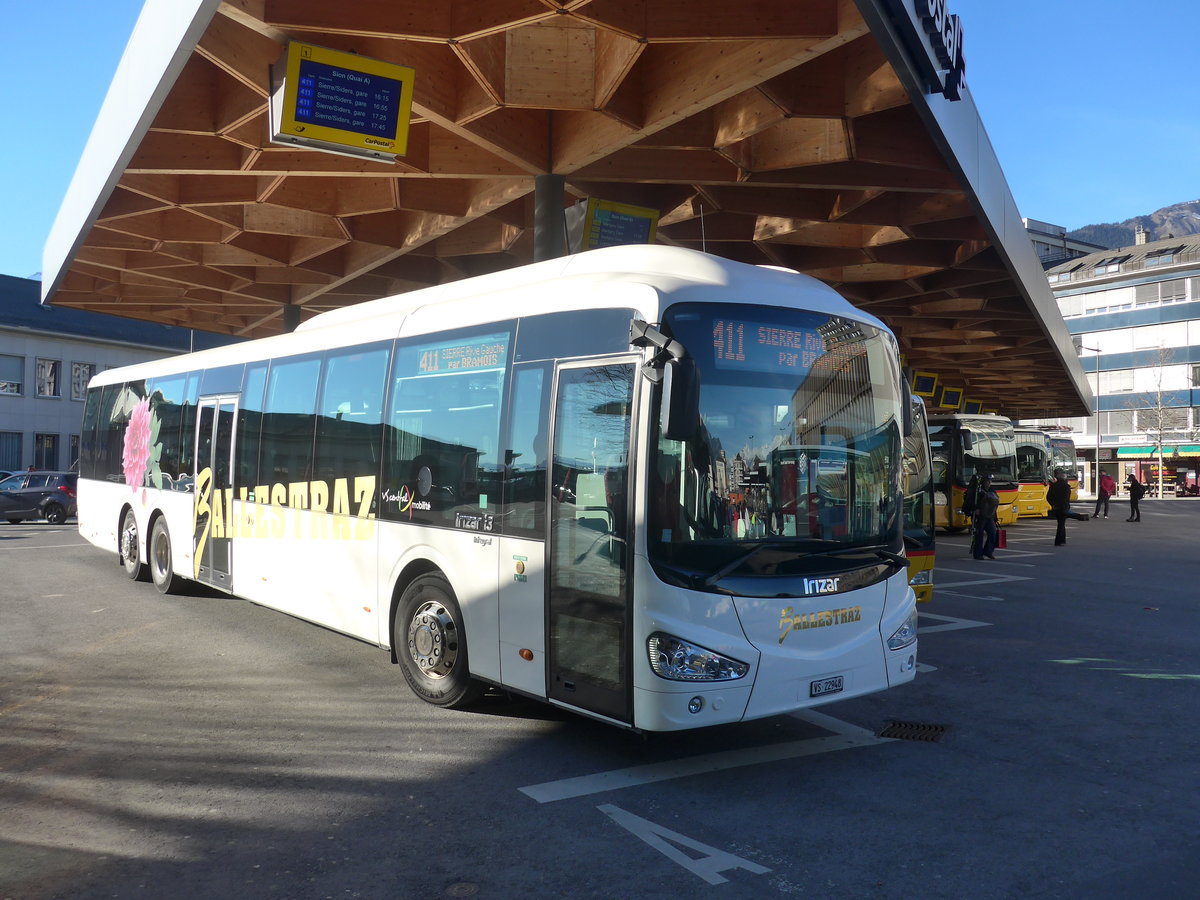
1164,259
1174,291
74,453
10,450
81,374
49,377
12,374
45,451
1195,376
1117,382
1109,265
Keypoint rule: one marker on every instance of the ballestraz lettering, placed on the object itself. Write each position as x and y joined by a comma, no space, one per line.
790,621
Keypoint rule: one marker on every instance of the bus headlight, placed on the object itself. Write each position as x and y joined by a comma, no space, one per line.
905,634
923,577
677,660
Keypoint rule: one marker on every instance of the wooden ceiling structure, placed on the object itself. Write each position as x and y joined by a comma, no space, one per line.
768,131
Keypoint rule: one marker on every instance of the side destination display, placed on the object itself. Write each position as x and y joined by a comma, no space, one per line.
341,103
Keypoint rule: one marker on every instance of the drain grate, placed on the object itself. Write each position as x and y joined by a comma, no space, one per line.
912,731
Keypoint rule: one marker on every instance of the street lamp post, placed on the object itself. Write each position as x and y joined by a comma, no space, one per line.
1096,483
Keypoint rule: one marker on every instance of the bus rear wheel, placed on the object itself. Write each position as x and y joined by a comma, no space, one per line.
131,558
162,573
431,646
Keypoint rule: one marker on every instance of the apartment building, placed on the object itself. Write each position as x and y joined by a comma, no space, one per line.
1134,315
47,356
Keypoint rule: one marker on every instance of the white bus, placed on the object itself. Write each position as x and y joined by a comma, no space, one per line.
484,479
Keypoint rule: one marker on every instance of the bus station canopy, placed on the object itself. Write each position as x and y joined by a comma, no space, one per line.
798,133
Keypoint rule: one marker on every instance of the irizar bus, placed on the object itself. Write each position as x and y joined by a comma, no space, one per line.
964,445
652,486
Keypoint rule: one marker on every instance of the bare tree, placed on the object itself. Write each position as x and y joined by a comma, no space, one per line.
1160,420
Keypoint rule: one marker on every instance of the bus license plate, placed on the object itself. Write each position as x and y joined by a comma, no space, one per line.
826,686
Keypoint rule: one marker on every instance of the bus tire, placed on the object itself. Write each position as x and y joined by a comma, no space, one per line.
431,645
158,554
131,558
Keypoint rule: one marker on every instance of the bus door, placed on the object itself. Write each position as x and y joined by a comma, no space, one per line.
213,520
589,664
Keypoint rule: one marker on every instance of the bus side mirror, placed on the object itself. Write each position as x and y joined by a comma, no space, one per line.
968,440
679,416
907,400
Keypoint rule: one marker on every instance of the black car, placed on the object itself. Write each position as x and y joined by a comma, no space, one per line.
38,495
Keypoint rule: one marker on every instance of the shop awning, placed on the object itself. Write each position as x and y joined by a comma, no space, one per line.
1152,452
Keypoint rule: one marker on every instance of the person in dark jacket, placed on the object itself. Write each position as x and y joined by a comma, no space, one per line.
1137,490
987,503
1059,498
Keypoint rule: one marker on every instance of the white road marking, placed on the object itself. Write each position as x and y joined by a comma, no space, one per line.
708,865
990,597
952,624
845,737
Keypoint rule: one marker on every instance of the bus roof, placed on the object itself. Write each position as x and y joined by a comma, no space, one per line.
646,278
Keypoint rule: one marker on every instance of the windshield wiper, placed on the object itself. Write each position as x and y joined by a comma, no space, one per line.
738,560
879,550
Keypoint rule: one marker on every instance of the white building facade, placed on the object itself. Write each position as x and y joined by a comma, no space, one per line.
47,357
1134,314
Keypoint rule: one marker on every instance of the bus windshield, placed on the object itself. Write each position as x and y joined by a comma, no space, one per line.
1033,457
1062,455
993,451
799,451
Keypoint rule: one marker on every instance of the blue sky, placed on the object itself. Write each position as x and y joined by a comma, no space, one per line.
1094,118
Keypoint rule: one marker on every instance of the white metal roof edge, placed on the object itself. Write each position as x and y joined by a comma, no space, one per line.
955,125
163,39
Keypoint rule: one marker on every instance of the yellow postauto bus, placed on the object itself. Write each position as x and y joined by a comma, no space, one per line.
917,477
1033,471
1062,455
964,445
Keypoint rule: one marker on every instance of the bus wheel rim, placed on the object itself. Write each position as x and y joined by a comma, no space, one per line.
129,539
160,554
433,639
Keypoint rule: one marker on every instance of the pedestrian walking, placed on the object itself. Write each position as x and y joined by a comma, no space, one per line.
1107,487
1137,490
987,503
1059,498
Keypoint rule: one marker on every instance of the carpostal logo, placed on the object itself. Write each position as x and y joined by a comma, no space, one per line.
790,620
376,142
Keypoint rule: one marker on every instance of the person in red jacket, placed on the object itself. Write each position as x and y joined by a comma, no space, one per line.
1107,488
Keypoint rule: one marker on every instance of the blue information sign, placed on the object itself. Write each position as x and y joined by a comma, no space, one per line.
334,97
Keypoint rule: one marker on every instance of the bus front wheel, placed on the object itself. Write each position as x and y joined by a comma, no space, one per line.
131,558
430,644
162,573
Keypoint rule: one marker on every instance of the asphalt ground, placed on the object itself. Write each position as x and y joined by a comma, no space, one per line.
199,746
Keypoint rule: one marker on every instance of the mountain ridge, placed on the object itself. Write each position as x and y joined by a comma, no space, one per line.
1177,220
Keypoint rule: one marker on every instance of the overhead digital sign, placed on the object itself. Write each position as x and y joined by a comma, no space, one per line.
603,223
341,103
758,347
489,351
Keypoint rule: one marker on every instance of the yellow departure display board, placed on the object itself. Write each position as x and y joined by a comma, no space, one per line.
608,224
341,103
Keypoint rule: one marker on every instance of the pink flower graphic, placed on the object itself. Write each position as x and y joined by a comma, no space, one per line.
136,458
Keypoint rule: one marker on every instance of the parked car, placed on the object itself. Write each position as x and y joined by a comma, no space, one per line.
38,495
